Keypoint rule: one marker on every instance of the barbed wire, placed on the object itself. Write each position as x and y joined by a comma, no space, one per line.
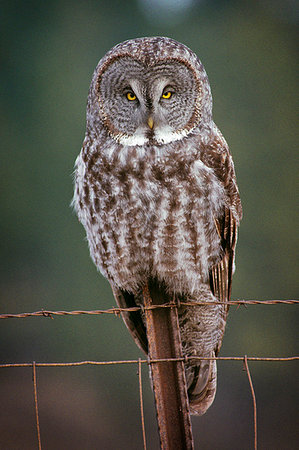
117,311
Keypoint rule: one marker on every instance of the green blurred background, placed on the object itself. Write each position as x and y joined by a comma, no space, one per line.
48,53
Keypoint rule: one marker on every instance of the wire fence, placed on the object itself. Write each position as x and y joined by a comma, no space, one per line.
139,362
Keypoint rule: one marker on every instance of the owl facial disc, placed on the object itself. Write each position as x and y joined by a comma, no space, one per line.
142,103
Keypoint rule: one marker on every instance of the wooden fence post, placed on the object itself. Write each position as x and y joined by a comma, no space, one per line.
168,377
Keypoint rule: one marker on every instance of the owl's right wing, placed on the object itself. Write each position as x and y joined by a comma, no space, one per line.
133,320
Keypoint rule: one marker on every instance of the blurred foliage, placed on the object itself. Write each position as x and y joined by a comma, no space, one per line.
48,53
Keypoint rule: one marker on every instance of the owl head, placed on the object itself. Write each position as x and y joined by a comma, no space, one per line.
149,90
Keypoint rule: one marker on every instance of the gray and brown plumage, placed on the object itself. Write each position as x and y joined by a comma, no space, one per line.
155,189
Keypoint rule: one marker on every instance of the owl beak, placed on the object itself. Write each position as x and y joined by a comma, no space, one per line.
150,122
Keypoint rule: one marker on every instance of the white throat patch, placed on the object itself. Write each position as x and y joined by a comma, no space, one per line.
161,135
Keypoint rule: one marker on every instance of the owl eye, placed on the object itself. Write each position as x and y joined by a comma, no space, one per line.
167,94
131,96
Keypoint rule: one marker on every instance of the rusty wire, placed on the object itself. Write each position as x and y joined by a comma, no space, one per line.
36,404
117,311
141,404
148,361
253,400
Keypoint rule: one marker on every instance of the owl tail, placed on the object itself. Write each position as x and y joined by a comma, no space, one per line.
202,389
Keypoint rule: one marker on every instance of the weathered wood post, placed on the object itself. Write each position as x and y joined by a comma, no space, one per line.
168,377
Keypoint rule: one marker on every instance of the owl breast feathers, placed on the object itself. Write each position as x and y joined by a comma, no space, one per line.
156,192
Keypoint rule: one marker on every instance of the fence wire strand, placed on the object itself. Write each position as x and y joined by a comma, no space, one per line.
139,362
253,400
141,404
149,361
36,404
117,311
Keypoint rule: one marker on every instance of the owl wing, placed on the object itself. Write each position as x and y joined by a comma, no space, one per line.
218,158
221,273
133,320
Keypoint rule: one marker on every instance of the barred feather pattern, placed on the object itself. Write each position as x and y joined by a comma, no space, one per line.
162,209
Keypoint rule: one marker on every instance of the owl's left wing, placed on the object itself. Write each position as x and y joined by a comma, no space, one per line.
218,158
221,273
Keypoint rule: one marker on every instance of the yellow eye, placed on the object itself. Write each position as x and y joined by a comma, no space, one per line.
131,96
167,94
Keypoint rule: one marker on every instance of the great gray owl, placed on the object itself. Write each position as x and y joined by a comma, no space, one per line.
155,189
